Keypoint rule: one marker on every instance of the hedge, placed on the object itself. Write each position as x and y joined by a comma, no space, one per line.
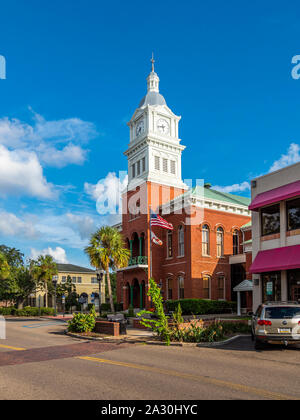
105,307
201,306
27,311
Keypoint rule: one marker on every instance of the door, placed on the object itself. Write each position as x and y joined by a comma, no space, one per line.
296,293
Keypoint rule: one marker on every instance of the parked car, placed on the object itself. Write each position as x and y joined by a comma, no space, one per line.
276,322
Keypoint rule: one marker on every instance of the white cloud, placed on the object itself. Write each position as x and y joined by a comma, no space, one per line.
57,143
108,192
244,186
59,254
84,225
22,174
11,225
292,156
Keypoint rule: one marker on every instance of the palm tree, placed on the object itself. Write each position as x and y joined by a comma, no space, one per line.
107,251
43,269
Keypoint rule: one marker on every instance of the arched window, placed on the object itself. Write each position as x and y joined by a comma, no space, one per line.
235,242
181,287
170,244
181,241
205,240
206,287
220,242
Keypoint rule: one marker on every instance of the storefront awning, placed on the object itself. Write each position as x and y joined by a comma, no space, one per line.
276,195
287,258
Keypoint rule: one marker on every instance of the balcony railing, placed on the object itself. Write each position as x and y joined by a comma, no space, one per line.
138,261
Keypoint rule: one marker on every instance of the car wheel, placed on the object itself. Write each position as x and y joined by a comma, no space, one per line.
258,344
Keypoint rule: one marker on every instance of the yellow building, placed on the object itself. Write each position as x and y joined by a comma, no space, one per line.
85,280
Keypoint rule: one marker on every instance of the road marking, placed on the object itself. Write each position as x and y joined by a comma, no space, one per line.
218,382
39,325
11,348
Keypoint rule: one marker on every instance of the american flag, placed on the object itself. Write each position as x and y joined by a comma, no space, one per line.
159,221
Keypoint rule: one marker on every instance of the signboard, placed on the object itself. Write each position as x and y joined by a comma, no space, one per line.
269,288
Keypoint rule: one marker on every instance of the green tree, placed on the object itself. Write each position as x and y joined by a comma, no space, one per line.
16,281
43,269
107,251
23,286
68,290
4,267
14,257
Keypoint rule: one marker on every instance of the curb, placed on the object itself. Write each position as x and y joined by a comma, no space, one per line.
221,343
157,343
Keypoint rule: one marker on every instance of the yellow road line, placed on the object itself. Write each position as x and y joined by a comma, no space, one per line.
218,382
11,348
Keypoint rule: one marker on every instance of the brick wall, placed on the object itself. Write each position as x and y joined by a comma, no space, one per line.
109,328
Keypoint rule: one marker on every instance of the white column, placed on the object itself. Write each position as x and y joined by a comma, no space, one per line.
239,311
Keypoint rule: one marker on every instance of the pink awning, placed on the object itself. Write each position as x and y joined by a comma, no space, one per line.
287,258
276,195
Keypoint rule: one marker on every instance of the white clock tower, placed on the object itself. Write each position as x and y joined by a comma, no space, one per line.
154,153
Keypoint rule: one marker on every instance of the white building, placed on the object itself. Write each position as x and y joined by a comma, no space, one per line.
276,236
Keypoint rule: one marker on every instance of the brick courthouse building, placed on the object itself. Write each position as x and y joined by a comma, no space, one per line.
194,260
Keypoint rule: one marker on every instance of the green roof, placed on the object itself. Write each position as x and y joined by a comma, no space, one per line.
247,242
212,194
249,224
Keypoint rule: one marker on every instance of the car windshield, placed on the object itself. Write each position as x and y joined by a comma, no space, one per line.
282,312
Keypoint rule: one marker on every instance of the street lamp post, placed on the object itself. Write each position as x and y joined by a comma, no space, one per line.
54,282
100,274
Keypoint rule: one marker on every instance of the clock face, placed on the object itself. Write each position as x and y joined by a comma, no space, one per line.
163,126
140,128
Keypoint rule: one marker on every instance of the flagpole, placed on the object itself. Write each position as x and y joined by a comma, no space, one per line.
150,243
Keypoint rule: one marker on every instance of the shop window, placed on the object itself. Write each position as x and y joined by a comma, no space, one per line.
294,285
293,214
270,220
271,287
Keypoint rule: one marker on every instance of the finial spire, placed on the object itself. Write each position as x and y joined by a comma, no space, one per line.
153,62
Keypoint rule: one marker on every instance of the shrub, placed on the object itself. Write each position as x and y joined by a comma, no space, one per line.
105,307
82,323
161,325
200,306
27,311
6,311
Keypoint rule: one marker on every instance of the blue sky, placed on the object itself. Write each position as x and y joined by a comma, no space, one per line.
76,71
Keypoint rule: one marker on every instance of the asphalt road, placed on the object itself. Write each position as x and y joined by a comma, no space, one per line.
37,361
